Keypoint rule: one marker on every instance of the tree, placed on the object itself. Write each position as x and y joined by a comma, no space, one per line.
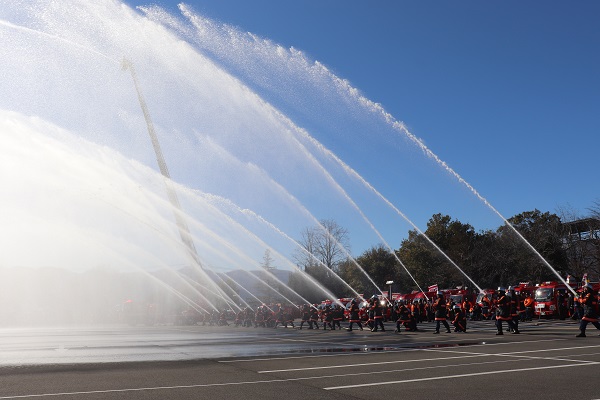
325,244
324,248
378,263
269,289
427,264
267,263
595,210
544,232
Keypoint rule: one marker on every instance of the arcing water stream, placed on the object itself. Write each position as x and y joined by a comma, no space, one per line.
232,113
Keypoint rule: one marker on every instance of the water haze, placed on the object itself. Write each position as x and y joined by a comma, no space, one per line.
244,124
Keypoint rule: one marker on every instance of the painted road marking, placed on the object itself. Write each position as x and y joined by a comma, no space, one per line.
457,376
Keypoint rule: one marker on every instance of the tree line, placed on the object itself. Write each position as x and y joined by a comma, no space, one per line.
489,258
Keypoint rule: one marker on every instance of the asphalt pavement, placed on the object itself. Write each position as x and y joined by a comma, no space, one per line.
196,362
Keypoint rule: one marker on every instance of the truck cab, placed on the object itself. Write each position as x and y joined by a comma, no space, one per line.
550,297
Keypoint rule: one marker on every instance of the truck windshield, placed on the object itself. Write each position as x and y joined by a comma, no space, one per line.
456,298
543,294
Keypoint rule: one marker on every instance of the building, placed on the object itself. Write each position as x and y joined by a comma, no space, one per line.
582,244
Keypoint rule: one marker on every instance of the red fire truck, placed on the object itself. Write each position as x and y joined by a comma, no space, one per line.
525,288
551,297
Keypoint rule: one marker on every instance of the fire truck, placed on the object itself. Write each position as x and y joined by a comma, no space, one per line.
525,288
408,297
458,296
551,297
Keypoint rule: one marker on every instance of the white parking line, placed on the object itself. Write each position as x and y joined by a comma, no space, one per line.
435,378
374,363
242,383
398,350
465,354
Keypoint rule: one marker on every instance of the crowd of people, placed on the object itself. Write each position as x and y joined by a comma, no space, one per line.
505,307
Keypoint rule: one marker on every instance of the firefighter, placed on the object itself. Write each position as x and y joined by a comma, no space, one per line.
439,305
369,312
486,306
223,318
467,307
405,318
248,317
354,316
401,312
260,318
377,314
239,318
460,320
528,304
328,318
305,316
338,316
279,318
589,301
415,311
476,313
503,312
515,304
314,318
562,307
288,317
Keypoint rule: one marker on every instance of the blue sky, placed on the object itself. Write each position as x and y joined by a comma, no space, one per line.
507,93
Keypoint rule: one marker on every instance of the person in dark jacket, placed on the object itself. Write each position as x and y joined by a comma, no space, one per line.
354,316
441,313
515,304
503,312
338,316
314,318
460,319
589,301
328,318
305,316
377,314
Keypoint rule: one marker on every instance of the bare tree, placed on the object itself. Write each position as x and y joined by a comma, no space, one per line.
268,261
595,210
324,248
326,244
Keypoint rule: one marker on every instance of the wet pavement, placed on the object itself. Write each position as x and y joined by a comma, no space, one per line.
197,362
110,344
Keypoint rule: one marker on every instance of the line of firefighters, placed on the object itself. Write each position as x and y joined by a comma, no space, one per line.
505,306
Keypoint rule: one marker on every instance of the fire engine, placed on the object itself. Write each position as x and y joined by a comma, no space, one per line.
458,296
525,288
549,296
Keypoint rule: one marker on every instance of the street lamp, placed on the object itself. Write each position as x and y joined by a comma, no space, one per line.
390,292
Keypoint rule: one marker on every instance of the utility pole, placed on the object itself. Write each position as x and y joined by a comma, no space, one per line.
184,230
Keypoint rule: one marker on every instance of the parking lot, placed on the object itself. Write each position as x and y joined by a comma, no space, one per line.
222,362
